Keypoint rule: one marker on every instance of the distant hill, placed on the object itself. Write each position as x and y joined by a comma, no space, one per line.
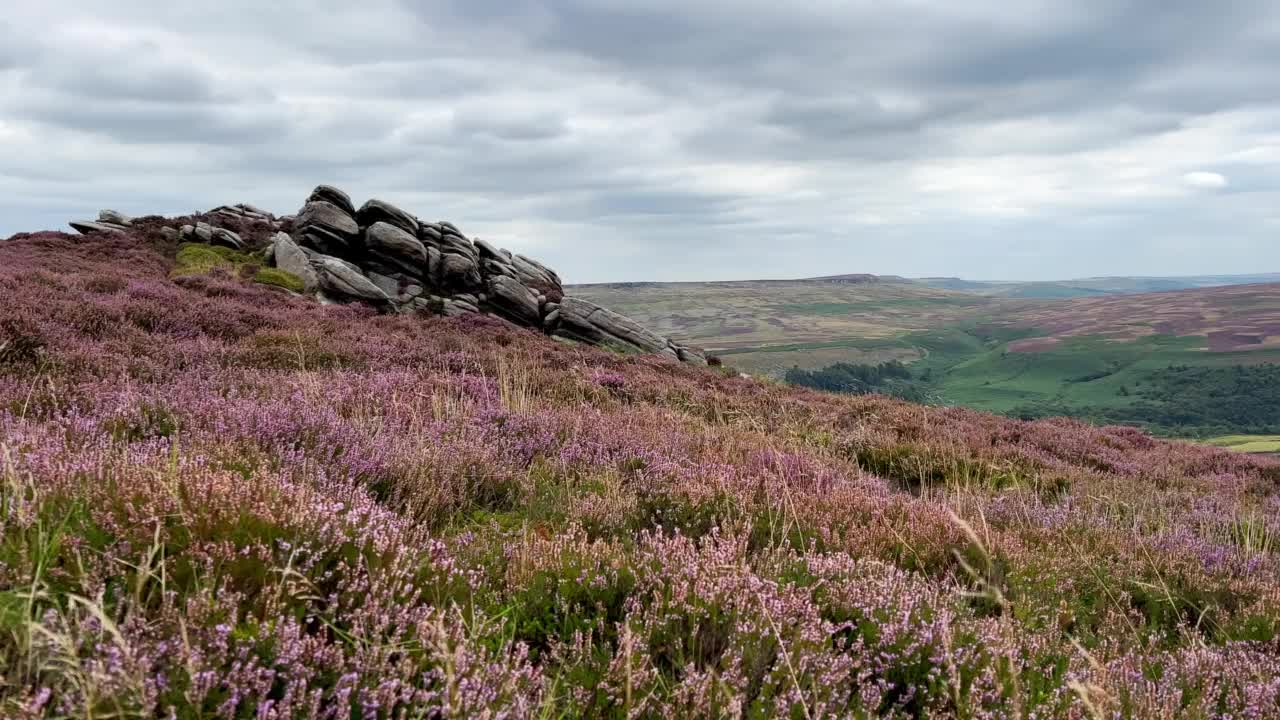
1087,287
1094,348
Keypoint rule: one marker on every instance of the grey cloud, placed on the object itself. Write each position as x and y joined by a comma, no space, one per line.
927,137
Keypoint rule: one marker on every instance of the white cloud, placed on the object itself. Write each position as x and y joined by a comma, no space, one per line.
1205,180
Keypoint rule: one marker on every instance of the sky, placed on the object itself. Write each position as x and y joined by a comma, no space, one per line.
619,140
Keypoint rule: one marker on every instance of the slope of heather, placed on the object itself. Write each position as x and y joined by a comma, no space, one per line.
223,500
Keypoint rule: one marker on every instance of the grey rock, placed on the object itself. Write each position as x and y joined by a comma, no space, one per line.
114,217
204,232
513,301
333,196
338,277
326,226
429,235
537,276
488,251
459,245
458,272
88,227
395,247
454,308
551,321
289,257
690,355
329,216
325,240
586,321
490,266
170,234
376,211
226,238
385,283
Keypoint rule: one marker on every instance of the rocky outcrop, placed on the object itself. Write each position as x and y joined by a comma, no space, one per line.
109,221
581,320
326,228
289,257
384,256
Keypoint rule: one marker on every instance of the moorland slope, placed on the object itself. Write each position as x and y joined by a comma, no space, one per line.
224,499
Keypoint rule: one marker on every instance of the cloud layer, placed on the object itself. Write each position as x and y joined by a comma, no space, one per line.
679,139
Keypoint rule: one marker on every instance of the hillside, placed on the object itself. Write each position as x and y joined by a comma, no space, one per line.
222,498
1198,362
1089,287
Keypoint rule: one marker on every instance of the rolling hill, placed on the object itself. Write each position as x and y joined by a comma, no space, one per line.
1109,357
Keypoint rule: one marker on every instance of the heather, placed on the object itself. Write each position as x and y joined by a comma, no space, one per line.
223,500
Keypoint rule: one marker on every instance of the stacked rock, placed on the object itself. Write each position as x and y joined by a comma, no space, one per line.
203,232
381,255
109,221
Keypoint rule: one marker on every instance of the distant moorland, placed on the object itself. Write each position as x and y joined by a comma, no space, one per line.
1200,360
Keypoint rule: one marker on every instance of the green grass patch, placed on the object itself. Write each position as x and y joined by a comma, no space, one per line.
198,259
1247,443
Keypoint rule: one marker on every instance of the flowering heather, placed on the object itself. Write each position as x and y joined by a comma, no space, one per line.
221,500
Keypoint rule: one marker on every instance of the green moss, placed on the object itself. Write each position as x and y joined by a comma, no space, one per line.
279,278
199,259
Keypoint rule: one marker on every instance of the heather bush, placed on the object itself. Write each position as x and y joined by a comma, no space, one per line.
221,500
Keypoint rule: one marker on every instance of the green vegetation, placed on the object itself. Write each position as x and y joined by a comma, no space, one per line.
1247,443
198,259
1191,401
279,278
890,378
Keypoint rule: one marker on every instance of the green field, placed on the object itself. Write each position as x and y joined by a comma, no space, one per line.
1200,362
1247,443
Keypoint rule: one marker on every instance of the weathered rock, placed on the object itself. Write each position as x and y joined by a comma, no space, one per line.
333,196
588,322
538,277
458,272
226,238
455,245
488,251
170,234
114,217
338,277
513,301
490,267
87,227
289,257
385,283
690,355
326,227
396,248
203,232
380,211
454,308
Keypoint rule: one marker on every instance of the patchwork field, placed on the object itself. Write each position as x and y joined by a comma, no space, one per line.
1132,358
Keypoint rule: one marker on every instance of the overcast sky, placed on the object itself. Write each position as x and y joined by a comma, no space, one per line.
678,139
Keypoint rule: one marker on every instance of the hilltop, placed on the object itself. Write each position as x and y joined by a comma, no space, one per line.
223,498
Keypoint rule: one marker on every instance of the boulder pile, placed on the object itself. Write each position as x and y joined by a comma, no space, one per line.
382,255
